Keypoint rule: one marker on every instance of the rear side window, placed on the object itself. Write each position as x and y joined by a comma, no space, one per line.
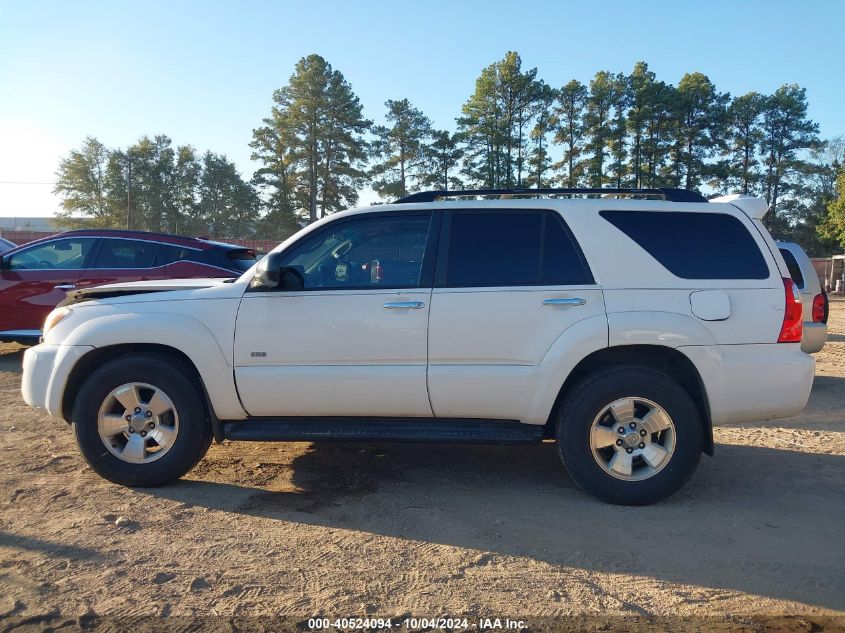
694,245
170,254
512,249
124,254
793,267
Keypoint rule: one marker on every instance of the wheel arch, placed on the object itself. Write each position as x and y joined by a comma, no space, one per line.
100,355
667,360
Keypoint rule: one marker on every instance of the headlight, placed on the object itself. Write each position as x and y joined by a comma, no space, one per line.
54,318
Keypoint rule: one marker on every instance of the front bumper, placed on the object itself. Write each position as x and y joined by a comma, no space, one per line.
753,382
45,372
814,337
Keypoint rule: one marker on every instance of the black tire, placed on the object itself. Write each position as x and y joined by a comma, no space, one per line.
194,433
598,390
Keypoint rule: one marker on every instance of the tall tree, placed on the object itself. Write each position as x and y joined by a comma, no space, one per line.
641,103
617,143
699,114
313,136
495,123
441,159
658,140
744,136
787,132
227,205
545,122
596,124
81,183
569,113
398,149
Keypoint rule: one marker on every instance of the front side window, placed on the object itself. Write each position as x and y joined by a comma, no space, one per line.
373,252
115,253
513,248
64,254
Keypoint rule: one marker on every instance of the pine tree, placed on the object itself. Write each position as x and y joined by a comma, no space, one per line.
596,125
744,137
569,113
312,146
787,131
545,122
398,150
441,159
699,116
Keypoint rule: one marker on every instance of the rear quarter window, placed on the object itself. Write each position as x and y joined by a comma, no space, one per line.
694,245
793,267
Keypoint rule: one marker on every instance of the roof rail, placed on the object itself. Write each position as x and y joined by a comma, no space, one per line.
672,195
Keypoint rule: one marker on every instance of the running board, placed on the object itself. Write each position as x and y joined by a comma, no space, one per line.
436,430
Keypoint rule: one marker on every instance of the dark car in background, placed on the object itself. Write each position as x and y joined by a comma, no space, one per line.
6,245
35,277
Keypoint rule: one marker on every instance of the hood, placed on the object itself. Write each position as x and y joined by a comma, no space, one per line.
123,289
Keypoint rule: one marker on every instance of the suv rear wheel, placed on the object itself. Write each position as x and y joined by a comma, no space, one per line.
140,421
629,435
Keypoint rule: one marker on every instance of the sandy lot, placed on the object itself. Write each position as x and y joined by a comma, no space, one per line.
392,530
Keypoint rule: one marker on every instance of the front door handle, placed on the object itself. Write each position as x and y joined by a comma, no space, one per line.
574,301
394,305
65,287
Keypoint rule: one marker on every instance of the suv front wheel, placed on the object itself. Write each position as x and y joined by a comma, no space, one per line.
140,421
629,435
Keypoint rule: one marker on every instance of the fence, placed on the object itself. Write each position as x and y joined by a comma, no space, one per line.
831,272
262,246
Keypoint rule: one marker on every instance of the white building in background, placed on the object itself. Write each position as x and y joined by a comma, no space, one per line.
46,224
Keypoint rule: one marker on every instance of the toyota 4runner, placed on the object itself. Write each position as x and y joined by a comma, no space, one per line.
623,325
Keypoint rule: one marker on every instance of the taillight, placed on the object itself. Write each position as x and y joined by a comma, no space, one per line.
819,308
790,331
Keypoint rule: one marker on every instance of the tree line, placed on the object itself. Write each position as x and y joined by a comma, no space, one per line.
317,151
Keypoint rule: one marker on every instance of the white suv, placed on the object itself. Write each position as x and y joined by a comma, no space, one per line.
623,326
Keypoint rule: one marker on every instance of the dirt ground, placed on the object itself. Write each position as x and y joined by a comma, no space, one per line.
391,530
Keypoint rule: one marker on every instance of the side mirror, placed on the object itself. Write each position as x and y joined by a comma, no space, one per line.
271,275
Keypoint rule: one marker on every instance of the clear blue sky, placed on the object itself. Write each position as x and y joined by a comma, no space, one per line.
203,72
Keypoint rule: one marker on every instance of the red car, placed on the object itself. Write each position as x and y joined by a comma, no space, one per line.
34,277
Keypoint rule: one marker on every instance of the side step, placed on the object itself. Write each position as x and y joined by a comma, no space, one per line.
438,430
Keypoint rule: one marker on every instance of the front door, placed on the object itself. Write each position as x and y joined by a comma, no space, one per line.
34,279
353,341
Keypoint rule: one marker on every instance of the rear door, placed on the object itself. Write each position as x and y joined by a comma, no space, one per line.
34,280
122,259
508,283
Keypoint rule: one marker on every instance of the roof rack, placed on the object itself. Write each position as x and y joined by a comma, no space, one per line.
672,195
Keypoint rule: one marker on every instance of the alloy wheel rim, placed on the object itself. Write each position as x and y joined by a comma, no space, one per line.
632,438
138,423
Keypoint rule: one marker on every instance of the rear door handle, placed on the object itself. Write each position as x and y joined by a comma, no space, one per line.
574,301
65,287
394,305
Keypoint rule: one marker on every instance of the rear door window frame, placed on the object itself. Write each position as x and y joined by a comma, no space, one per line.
442,265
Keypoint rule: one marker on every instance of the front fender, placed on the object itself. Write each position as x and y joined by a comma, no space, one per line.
179,331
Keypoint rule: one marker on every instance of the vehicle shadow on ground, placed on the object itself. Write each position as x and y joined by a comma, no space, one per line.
757,520
47,547
11,360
